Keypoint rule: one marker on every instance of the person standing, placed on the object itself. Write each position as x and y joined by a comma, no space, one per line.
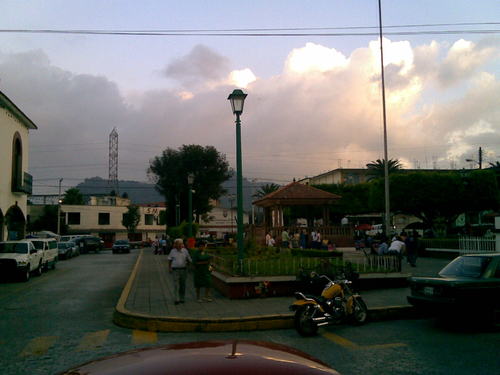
411,248
202,273
285,239
178,260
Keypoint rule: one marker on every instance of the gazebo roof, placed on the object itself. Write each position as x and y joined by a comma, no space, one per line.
297,194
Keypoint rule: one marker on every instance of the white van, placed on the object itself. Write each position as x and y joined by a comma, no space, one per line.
50,252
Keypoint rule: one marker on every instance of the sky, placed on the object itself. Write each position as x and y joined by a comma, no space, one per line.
314,100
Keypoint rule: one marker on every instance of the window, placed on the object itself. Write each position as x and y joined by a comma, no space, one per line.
73,218
103,218
17,163
149,219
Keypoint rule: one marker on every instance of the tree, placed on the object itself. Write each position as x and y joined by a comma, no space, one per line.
48,221
437,198
170,174
131,218
265,189
73,196
376,168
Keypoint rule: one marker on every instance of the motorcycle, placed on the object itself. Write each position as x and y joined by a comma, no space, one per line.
337,303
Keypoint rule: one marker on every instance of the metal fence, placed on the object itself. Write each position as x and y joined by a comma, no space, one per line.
473,245
291,266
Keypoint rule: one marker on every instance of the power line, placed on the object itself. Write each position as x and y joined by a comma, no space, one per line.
253,32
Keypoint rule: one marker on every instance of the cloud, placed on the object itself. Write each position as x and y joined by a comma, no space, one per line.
462,60
198,66
315,116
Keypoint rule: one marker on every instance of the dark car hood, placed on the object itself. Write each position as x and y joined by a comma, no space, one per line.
208,357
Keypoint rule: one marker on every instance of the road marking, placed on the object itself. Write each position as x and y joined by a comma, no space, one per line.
38,346
93,340
144,337
339,340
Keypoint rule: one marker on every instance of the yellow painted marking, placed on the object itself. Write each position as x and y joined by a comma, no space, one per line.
144,337
93,340
351,345
38,346
340,340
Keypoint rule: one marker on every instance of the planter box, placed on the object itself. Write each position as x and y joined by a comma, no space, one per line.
235,287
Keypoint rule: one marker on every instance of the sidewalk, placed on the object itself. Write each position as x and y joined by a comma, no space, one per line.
147,302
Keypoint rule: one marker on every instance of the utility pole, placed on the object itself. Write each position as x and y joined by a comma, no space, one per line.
59,209
386,157
480,158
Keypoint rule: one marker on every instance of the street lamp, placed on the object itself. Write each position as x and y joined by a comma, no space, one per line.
237,99
59,201
190,179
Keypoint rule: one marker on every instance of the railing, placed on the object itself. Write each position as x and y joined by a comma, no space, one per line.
472,245
291,266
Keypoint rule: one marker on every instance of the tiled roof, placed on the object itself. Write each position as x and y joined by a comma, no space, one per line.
296,193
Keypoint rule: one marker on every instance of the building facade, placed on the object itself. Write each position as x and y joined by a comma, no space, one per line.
15,181
103,216
220,221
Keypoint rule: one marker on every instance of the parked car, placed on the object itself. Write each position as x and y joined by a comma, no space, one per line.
121,246
87,244
469,283
20,258
49,248
208,357
67,249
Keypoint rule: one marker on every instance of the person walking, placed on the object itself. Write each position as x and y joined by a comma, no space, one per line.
202,273
178,260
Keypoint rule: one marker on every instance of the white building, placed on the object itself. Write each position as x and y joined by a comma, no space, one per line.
220,220
102,217
15,182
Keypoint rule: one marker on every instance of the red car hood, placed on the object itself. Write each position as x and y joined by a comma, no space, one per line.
208,357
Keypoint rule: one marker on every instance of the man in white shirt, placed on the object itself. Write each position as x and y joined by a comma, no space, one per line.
178,260
397,247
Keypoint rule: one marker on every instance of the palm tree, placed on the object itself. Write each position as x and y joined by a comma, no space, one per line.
376,168
266,189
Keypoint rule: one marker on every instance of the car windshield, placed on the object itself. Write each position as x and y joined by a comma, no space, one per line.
63,245
13,247
121,242
466,267
38,244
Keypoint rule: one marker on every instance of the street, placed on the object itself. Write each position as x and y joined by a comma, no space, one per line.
63,318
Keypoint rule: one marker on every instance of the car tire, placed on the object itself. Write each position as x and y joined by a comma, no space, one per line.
26,275
38,271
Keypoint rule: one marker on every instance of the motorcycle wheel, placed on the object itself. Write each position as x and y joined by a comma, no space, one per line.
304,324
360,311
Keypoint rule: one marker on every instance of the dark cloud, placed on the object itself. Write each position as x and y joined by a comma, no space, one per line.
198,66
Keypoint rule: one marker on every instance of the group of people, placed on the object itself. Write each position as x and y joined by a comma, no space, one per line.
179,260
400,245
301,240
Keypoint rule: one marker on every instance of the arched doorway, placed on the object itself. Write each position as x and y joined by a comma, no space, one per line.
1,225
16,223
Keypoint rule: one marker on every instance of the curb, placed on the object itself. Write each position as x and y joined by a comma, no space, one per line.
130,319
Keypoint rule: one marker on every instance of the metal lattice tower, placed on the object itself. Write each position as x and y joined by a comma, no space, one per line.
113,160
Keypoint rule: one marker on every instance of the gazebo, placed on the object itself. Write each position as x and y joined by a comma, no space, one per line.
297,194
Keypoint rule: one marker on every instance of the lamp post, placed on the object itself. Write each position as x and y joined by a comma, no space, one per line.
237,99
190,204
59,209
